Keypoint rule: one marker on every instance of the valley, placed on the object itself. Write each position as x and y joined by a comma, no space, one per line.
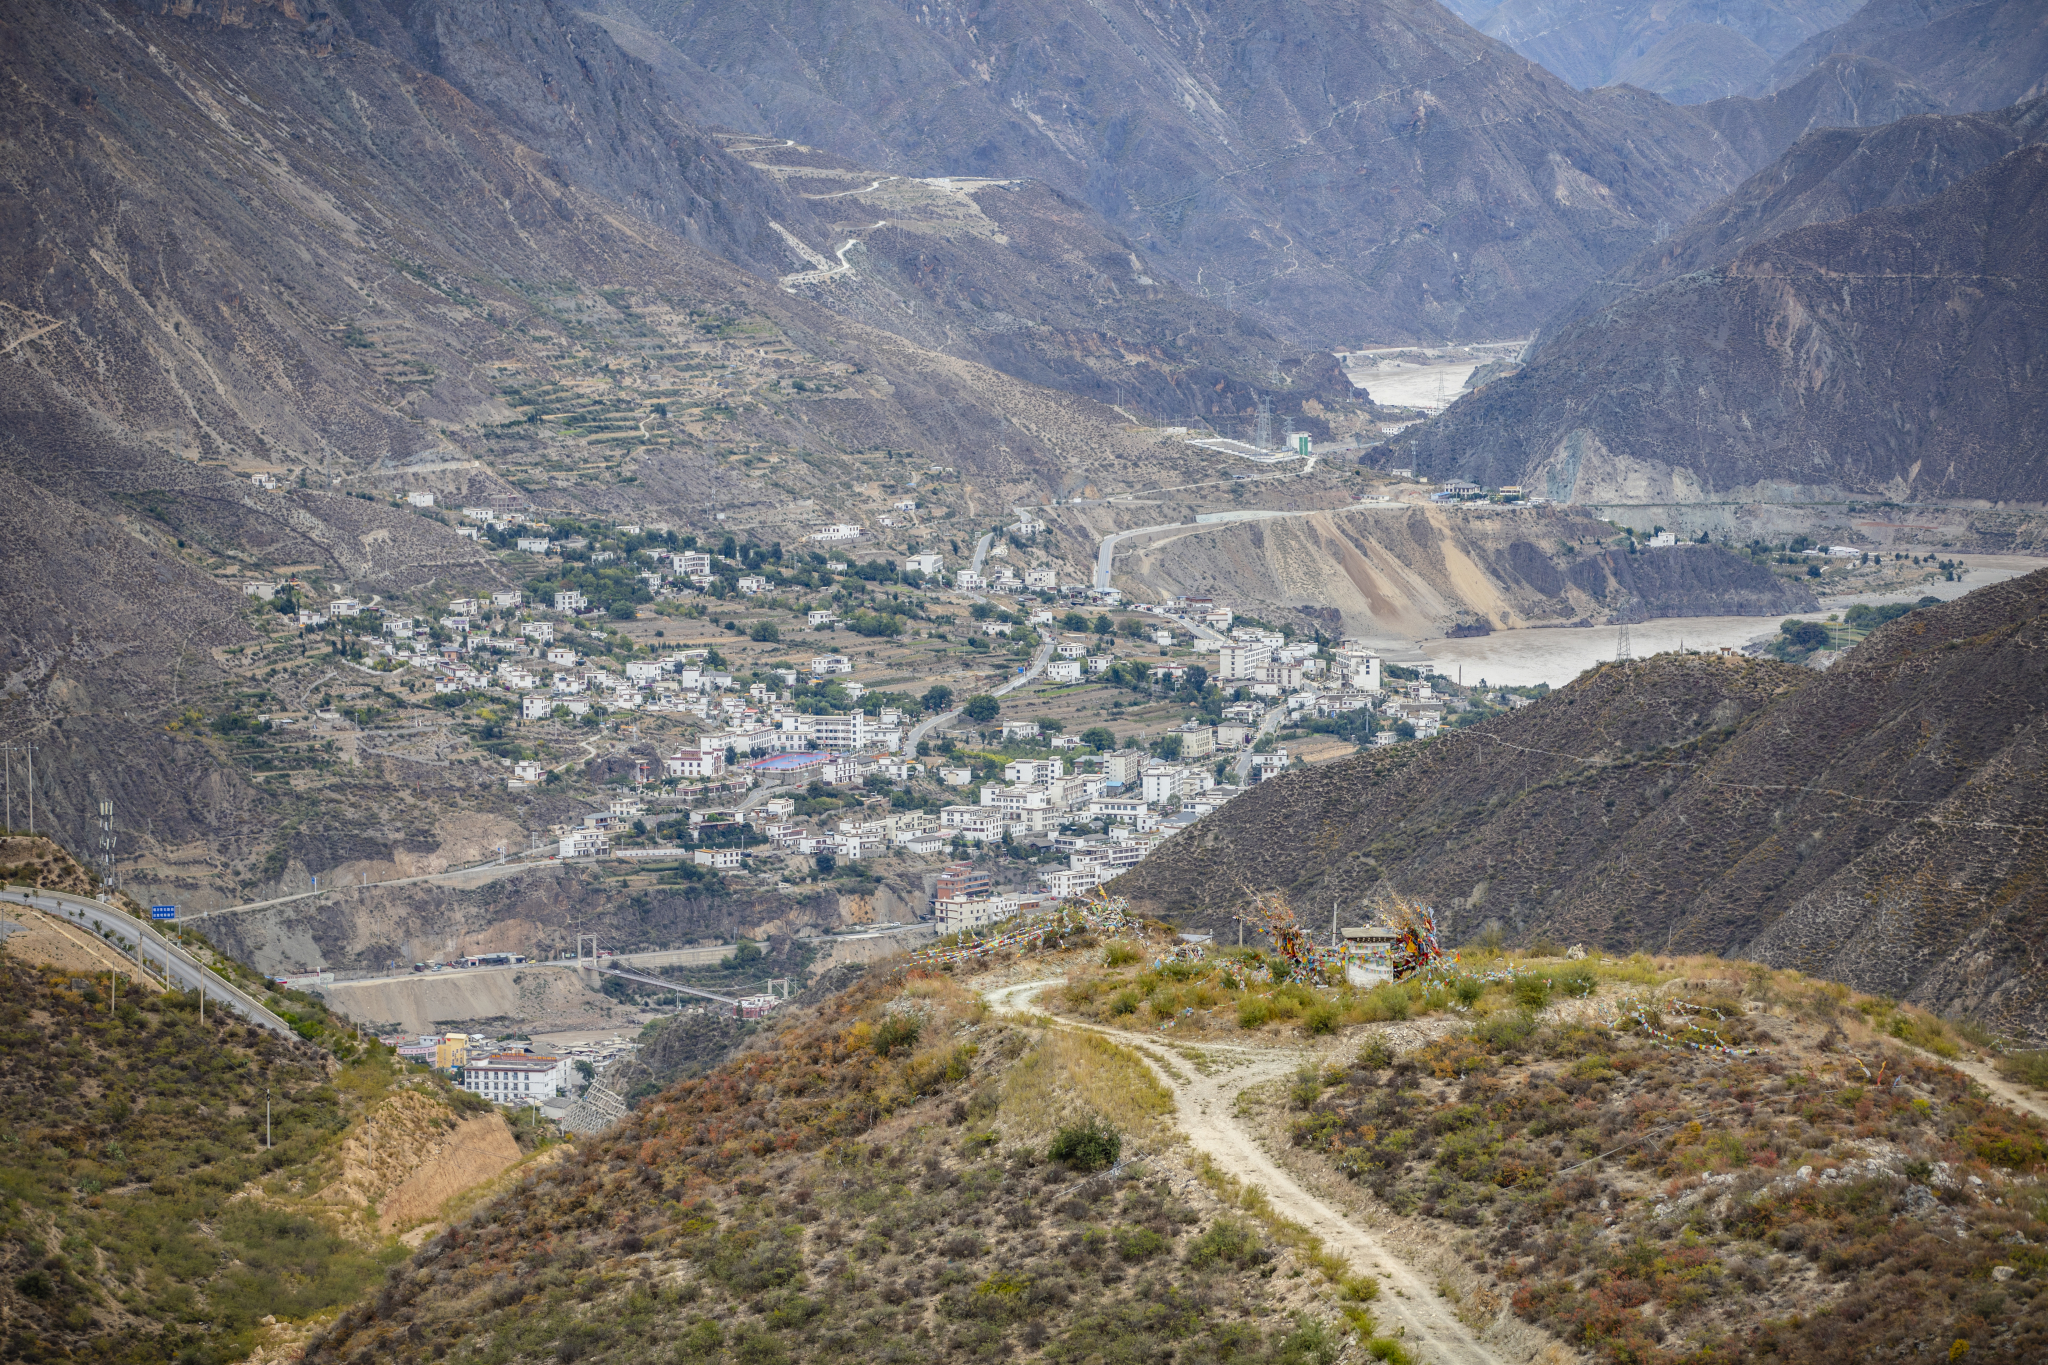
1100,684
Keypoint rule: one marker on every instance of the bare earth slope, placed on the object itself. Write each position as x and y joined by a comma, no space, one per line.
1889,354
1877,824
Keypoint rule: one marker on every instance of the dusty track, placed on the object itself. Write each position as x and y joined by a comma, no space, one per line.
1205,1109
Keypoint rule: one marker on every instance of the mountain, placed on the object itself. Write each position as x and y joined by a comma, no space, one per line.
1877,823
1686,51
1346,171
1970,56
1842,91
1695,63
1890,354
1825,177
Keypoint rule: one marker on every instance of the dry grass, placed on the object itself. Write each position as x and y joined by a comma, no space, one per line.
1071,1073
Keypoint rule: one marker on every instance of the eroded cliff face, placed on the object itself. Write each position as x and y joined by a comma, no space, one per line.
1895,354
1408,573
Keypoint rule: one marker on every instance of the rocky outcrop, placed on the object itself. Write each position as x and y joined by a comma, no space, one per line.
1842,91
1892,354
1876,824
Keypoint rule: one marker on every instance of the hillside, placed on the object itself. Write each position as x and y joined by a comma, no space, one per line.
872,1181
149,1217
1886,355
1872,824
1375,170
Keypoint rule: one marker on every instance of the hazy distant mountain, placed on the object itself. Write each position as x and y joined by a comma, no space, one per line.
1896,353
1687,51
1970,56
1350,171
1843,91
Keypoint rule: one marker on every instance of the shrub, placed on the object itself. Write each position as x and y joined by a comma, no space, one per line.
1377,1054
1308,1086
1504,1032
1086,1146
1126,1002
1136,1244
1468,990
2028,1068
896,1031
1253,1014
1578,981
1226,1240
1119,955
1386,1001
1531,992
1321,1019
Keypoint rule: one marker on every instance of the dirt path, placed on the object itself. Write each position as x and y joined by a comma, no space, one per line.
1205,1098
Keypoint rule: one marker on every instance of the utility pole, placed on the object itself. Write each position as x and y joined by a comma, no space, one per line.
107,844
266,1120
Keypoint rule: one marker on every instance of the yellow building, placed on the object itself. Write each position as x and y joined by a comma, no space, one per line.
451,1051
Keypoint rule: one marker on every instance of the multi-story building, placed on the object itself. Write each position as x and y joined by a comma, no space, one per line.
517,1077
963,880
1242,659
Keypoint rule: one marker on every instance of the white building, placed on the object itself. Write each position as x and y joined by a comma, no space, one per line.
722,859
925,563
837,532
694,763
585,843
967,580
517,1077
1041,578
536,706
1160,784
1063,671
570,600
842,734
1242,659
510,597
535,545
420,499
825,665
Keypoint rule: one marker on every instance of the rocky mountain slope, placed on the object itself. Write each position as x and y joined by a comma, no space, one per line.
1827,176
1377,170
1687,52
1842,91
1970,54
1889,354
1876,824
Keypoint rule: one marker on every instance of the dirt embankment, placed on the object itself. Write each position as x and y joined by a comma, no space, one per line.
1407,572
410,1155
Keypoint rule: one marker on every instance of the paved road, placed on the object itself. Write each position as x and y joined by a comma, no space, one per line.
981,548
510,860
1268,723
1105,553
138,939
927,725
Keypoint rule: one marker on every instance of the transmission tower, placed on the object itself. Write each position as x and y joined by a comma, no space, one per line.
1622,653
1262,428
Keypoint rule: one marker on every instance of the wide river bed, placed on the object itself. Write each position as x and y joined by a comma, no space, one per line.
1522,658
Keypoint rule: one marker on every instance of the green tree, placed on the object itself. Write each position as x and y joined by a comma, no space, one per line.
764,630
1104,626
938,698
1099,737
983,709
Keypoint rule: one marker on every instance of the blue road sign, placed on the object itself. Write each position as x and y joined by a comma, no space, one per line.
163,912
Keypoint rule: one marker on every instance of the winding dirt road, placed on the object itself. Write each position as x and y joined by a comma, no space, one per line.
1205,1108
